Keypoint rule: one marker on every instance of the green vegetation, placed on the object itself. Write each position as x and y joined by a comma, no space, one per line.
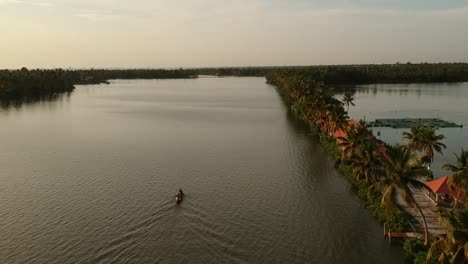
424,139
386,73
358,74
381,174
236,71
458,181
25,85
35,84
403,169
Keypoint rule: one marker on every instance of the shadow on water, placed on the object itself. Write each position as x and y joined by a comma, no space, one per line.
18,103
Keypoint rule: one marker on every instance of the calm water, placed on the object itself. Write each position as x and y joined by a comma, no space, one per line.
445,101
91,178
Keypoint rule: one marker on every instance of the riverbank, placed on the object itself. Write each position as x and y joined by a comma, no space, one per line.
313,102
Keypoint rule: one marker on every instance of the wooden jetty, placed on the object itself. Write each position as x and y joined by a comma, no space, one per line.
401,235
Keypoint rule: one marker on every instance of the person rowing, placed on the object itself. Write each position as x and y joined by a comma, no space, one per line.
179,196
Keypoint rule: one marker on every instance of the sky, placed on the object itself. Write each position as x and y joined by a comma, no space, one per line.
210,33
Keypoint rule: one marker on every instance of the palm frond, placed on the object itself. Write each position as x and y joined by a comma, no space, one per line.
458,257
437,248
388,199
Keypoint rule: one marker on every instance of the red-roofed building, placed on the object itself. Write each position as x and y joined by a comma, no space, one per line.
440,186
352,122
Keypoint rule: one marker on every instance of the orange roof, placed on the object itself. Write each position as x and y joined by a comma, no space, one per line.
439,185
352,122
340,133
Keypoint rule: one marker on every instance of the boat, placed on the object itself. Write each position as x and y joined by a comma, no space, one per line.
179,196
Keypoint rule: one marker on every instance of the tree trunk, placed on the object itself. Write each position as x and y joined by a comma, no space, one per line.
426,235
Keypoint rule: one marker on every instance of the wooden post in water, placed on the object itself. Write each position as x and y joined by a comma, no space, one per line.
389,237
384,230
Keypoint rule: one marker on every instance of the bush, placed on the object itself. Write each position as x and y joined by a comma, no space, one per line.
416,252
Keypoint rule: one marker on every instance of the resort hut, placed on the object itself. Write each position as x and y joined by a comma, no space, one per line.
440,189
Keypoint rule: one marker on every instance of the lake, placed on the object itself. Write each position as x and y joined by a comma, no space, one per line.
91,178
435,100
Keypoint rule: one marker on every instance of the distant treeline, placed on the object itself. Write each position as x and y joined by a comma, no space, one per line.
24,84
357,74
31,84
238,71
387,73
93,76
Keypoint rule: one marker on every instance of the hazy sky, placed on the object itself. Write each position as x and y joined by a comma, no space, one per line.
187,33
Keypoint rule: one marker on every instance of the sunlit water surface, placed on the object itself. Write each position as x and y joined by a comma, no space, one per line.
91,178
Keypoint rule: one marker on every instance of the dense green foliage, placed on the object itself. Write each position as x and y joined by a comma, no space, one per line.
32,84
101,75
236,71
386,73
416,252
24,84
357,74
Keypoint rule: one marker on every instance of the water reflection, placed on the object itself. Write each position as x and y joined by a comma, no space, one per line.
17,104
91,178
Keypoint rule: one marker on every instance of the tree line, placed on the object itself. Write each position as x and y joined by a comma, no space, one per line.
383,174
30,84
24,84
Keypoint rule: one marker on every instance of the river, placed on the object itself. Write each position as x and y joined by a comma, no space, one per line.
91,178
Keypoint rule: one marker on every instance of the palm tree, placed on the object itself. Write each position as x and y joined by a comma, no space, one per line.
336,118
458,181
401,171
414,138
454,247
365,165
348,99
424,139
462,162
351,145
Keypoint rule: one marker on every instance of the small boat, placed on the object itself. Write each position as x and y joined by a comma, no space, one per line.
179,196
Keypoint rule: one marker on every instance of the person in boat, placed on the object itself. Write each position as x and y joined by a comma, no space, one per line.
181,193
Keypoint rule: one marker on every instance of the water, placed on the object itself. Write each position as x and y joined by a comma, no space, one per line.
91,178
445,101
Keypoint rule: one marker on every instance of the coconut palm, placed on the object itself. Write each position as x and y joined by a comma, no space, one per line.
462,162
414,138
454,247
348,99
336,118
458,181
365,164
352,143
424,139
401,171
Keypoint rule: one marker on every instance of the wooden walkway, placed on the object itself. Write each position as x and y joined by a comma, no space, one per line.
434,227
